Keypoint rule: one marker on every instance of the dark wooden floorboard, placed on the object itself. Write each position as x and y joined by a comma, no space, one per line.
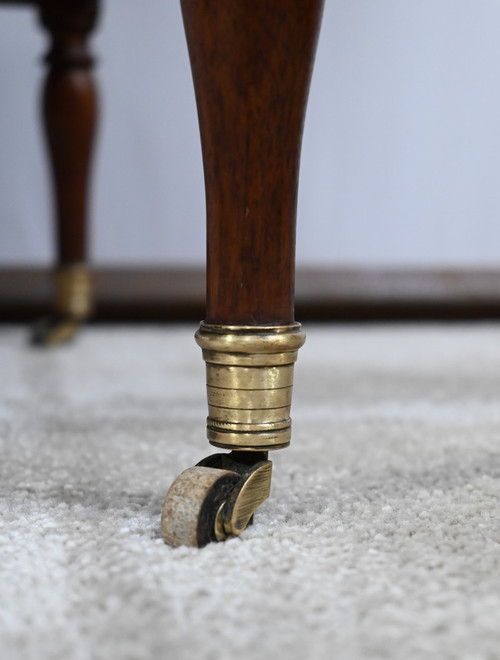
336,294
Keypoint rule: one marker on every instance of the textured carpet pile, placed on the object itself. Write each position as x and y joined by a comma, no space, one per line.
381,538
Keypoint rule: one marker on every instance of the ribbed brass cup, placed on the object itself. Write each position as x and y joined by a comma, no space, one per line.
73,292
249,384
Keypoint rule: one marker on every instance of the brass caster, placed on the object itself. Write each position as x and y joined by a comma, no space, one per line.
53,330
72,306
249,388
215,499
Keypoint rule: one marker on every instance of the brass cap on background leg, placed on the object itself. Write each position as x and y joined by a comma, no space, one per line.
73,304
249,384
74,297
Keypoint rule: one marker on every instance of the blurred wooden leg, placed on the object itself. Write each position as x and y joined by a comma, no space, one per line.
69,114
251,62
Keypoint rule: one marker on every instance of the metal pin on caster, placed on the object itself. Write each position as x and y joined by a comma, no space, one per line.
249,390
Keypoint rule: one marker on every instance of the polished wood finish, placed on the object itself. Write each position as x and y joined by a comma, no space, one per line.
69,112
251,62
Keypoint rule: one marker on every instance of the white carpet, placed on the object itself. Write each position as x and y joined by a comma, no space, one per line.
381,538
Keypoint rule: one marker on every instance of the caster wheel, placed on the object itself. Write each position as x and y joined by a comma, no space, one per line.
54,330
191,507
215,499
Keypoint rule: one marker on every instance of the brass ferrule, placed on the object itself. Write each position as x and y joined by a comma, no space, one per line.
73,292
249,384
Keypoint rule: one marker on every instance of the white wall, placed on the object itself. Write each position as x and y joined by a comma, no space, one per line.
401,155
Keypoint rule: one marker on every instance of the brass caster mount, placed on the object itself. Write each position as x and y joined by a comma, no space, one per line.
249,390
73,306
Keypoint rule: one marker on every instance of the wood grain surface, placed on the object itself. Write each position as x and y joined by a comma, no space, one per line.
251,64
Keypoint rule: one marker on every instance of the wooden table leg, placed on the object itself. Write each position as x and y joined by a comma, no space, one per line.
69,114
251,64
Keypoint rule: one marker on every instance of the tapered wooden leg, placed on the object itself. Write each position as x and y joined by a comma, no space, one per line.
69,114
251,62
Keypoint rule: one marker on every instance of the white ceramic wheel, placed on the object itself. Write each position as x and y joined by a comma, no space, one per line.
191,505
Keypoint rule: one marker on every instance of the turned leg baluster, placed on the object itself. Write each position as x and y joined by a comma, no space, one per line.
69,115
